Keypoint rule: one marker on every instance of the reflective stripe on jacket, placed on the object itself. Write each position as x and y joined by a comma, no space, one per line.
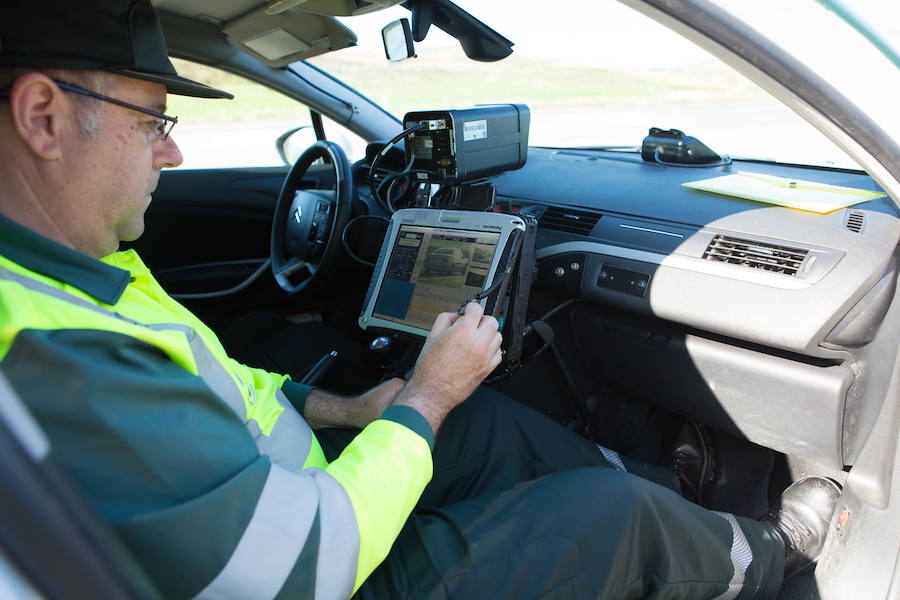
164,462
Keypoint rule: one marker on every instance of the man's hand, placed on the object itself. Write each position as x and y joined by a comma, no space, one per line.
460,352
324,409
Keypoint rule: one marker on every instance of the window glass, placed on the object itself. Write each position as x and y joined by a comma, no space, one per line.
353,145
600,74
232,133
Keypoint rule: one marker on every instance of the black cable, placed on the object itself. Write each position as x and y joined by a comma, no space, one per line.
498,280
376,191
582,410
390,191
491,288
704,471
550,313
528,331
546,316
347,228
380,155
404,175
393,181
483,293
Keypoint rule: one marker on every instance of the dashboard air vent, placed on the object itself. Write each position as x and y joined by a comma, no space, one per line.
568,220
856,220
755,255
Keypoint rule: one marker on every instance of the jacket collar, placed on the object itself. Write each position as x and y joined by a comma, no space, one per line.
37,253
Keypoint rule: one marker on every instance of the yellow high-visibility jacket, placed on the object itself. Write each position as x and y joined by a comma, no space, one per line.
203,466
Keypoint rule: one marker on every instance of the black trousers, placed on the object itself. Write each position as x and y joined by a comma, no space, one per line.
519,507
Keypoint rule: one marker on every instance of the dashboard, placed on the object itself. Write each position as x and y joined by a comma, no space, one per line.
750,317
765,274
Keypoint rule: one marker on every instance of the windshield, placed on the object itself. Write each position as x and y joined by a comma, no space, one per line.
600,74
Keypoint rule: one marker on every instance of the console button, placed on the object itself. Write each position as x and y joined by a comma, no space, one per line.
623,280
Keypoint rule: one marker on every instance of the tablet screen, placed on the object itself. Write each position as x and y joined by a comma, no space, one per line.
432,270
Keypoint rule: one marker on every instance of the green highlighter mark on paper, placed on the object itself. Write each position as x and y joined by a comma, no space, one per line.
792,193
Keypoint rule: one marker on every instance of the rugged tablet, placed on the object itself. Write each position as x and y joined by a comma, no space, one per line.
433,260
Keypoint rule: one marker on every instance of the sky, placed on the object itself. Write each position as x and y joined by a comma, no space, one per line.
534,38
618,37
622,37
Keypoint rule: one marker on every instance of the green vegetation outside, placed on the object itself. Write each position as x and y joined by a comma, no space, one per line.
252,102
442,80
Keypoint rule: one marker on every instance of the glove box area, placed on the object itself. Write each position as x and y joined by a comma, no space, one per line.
793,404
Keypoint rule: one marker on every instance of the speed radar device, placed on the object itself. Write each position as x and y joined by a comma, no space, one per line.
451,147
432,261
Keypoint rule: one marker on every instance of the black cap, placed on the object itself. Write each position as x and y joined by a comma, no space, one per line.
119,36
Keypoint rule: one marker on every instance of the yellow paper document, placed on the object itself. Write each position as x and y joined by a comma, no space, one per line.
793,193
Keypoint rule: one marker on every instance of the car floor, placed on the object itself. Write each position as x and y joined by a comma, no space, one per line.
745,474
748,478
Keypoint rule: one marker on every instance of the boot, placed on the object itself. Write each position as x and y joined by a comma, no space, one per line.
803,519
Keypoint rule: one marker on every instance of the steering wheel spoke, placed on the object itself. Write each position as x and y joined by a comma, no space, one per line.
293,265
307,225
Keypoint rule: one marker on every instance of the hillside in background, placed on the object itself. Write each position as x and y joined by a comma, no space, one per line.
441,80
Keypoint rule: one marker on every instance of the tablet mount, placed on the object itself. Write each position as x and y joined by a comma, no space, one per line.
456,150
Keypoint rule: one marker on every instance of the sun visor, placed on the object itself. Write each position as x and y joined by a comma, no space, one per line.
293,35
336,8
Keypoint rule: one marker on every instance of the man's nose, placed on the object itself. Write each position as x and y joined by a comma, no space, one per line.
167,155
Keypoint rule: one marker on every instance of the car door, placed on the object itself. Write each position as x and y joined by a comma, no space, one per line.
209,225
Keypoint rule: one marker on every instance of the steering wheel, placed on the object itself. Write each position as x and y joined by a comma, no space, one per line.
307,225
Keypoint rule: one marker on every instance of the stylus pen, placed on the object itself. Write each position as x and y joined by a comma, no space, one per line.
318,369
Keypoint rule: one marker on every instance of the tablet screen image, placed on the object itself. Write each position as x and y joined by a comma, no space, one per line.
433,270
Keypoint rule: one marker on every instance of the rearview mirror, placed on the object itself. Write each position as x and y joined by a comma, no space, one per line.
398,40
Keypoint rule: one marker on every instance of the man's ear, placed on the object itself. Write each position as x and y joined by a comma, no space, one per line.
39,110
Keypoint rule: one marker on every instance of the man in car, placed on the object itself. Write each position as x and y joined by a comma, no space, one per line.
209,470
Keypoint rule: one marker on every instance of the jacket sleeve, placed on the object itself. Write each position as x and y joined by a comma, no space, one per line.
384,471
181,481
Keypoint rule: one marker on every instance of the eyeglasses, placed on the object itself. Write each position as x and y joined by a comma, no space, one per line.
162,128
